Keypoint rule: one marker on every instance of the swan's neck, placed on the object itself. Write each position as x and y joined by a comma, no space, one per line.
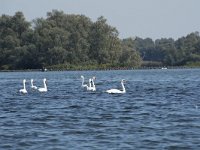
32,83
123,88
24,85
90,83
93,83
82,81
45,86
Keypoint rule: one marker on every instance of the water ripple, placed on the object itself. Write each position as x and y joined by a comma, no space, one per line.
161,110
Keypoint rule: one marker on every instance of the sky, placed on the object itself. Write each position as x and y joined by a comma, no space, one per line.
142,18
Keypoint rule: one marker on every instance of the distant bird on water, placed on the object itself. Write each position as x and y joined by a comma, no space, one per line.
44,89
91,86
24,91
33,86
116,91
83,80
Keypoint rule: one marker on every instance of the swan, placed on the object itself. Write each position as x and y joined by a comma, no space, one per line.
115,91
91,86
94,86
24,91
44,89
83,85
32,86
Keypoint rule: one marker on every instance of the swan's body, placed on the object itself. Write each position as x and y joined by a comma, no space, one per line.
24,91
91,86
32,86
83,85
116,91
44,89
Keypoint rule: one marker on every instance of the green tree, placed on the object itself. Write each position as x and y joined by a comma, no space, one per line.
104,43
11,30
130,57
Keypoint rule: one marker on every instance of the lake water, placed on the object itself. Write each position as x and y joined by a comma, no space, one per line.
161,110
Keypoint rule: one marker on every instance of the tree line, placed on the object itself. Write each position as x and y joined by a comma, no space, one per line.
68,41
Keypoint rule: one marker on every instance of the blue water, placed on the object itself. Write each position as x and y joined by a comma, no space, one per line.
161,110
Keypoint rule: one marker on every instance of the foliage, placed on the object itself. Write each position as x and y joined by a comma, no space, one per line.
60,41
168,52
68,41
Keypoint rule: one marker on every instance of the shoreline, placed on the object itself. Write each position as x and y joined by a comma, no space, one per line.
107,69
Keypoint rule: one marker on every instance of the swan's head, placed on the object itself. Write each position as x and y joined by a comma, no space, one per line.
82,77
44,79
123,81
94,78
24,80
31,80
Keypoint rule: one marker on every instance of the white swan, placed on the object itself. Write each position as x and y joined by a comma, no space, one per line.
115,91
32,86
83,85
91,86
94,86
24,91
44,89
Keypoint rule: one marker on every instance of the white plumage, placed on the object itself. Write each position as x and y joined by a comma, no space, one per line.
24,91
44,89
116,91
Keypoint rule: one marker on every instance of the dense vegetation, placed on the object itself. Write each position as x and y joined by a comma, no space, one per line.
63,41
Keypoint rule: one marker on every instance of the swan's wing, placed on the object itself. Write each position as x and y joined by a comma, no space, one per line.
42,90
23,91
113,91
